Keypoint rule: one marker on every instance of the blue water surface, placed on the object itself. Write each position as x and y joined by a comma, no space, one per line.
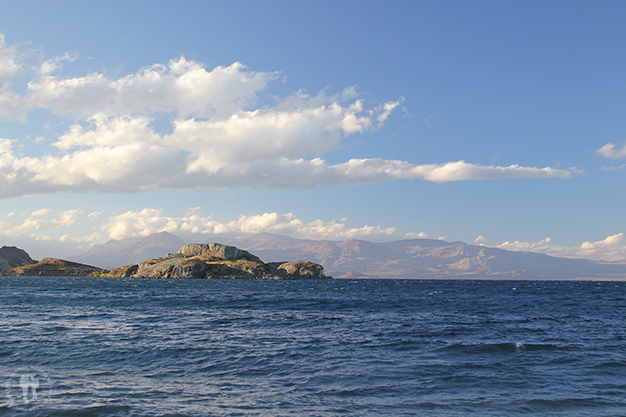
142,347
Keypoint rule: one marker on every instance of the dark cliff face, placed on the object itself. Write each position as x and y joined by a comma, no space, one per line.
11,257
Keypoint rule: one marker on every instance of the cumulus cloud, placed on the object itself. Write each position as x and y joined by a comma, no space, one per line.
147,221
219,134
612,248
610,150
541,246
181,86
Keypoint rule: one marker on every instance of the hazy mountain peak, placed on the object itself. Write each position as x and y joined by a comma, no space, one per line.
115,253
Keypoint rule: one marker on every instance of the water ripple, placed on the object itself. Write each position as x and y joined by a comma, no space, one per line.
124,347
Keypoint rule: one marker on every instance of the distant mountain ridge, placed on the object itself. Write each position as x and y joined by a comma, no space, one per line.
428,258
411,258
115,253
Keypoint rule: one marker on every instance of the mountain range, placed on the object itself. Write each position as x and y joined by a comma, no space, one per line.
411,258
115,253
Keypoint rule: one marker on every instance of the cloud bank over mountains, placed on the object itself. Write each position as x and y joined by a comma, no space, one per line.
220,132
42,225
613,248
142,223
148,221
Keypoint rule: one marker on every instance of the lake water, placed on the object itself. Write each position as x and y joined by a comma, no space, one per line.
139,347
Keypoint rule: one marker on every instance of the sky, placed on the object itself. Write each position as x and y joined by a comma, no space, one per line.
488,122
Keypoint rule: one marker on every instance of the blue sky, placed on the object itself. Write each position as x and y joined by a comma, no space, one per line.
498,123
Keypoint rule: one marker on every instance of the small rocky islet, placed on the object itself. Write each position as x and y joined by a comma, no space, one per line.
198,260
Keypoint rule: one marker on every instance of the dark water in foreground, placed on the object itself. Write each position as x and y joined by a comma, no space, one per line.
131,347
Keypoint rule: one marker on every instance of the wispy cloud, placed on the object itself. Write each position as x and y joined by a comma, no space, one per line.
611,168
38,221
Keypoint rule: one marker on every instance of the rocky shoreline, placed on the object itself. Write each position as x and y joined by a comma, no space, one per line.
200,261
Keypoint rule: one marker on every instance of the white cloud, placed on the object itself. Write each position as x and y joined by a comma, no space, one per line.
219,136
612,168
138,167
373,170
6,156
40,212
611,151
148,221
267,134
612,248
8,64
51,65
109,132
181,86
541,246
92,238
93,215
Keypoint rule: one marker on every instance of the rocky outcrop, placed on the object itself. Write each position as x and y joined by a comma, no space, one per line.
216,261
11,257
216,250
54,267
302,269
123,271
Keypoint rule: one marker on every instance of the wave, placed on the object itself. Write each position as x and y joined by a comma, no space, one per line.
501,347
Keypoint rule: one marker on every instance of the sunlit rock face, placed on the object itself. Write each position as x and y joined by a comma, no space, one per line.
302,269
216,250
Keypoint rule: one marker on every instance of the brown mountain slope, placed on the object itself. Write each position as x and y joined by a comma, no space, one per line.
427,258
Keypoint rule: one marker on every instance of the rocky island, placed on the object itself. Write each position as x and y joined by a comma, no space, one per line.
207,260
52,267
212,260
